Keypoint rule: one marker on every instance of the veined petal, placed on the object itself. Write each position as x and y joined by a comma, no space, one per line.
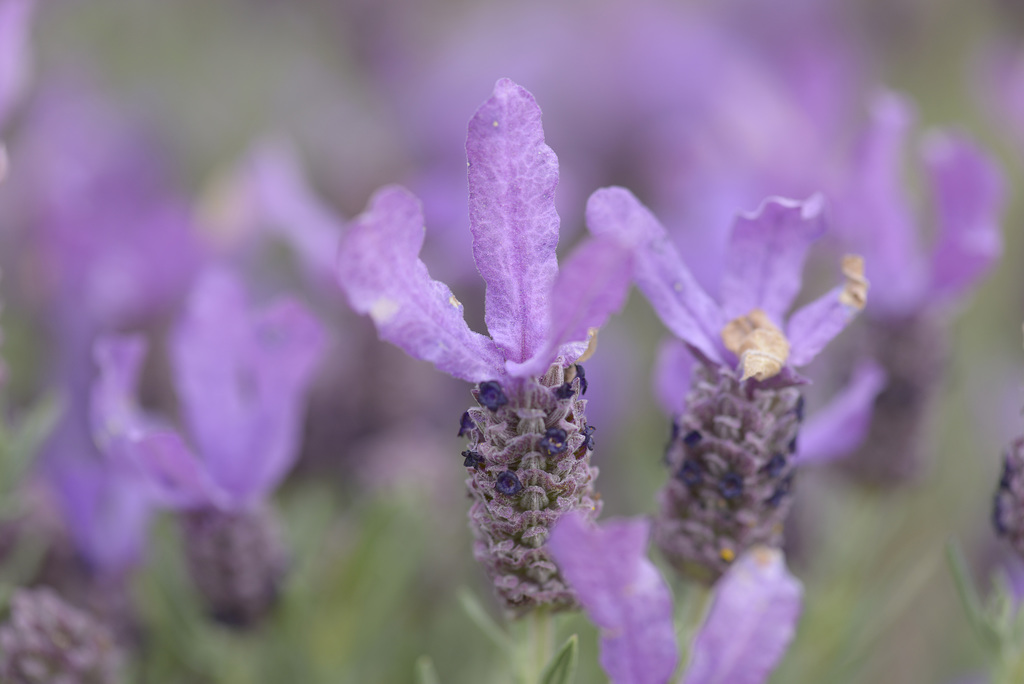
752,619
114,410
380,270
841,425
765,259
969,191
242,376
623,594
672,371
591,285
660,273
813,326
14,58
512,180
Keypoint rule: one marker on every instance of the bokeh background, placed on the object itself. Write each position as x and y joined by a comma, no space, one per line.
701,109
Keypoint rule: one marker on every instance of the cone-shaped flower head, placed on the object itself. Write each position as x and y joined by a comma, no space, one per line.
242,376
46,640
746,632
913,287
733,444
529,451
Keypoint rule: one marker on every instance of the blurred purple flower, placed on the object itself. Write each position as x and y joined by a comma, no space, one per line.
623,594
751,622
241,377
529,442
734,444
913,288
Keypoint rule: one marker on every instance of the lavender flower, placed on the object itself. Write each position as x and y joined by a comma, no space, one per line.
48,641
734,445
746,632
528,456
241,376
908,319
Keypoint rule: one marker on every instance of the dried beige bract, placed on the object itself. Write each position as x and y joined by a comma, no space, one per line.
761,346
855,291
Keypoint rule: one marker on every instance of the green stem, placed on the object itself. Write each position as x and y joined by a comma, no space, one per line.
540,646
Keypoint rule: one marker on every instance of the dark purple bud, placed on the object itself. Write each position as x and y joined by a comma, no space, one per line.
582,375
564,391
675,431
800,409
1005,478
781,491
473,459
508,483
691,473
466,424
997,516
553,441
588,437
792,445
491,395
775,465
692,438
730,486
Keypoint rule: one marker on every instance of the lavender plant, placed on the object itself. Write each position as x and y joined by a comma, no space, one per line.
734,446
528,457
241,375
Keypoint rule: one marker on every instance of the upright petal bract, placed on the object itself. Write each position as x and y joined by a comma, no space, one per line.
813,326
623,594
968,190
380,270
660,272
512,180
766,256
751,621
591,285
241,378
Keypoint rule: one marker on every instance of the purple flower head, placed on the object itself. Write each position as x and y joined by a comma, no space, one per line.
913,287
623,594
540,320
751,622
734,444
241,377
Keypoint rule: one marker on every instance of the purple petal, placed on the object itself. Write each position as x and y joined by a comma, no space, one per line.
623,594
813,326
660,273
672,371
135,443
241,377
766,256
512,179
751,621
106,510
841,425
382,275
873,213
285,206
14,58
969,190
591,285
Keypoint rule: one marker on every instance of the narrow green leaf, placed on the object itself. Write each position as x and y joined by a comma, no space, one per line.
969,597
475,612
425,672
562,668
